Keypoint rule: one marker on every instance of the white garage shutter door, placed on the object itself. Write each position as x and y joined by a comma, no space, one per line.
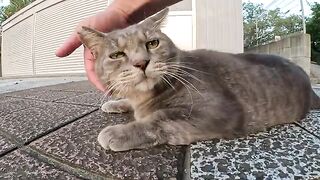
17,51
53,26
179,30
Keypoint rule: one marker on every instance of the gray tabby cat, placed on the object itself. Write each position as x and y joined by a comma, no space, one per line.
179,97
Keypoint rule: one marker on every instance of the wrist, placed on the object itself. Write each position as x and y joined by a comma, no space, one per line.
110,19
136,10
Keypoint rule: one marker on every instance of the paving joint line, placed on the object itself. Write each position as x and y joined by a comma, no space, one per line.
59,127
84,105
308,131
21,144
59,164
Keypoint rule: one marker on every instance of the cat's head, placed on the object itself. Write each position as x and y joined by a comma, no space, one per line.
134,58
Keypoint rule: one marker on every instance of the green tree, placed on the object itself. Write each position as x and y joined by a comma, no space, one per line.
13,7
252,15
313,28
261,25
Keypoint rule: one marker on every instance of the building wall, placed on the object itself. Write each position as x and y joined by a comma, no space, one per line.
295,47
31,36
219,25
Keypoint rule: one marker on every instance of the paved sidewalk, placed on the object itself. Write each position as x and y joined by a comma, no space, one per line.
51,133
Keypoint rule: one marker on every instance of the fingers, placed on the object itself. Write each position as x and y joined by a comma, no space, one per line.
71,44
90,70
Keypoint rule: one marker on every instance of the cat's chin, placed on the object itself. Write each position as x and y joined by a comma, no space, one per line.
145,84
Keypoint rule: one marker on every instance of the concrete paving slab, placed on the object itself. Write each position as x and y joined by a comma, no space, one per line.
5,145
11,85
76,145
42,94
312,122
92,99
30,123
285,152
9,105
19,165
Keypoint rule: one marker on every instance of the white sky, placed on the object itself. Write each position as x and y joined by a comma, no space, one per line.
4,2
293,6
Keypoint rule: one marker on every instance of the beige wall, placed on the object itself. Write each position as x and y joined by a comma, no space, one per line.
295,47
33,34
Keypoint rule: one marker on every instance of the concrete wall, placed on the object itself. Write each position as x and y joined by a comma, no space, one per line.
315,74
295,47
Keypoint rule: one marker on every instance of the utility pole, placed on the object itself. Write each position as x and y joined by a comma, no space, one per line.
303,18
257,29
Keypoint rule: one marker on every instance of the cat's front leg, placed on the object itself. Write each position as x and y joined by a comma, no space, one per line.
116,106
134,135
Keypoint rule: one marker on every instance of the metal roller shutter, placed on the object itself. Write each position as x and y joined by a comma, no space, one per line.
53,26
17,52
179,29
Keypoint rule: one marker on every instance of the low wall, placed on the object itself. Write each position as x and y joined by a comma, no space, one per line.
315,74
295,47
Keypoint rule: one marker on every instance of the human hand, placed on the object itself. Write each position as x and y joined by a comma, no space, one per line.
104,21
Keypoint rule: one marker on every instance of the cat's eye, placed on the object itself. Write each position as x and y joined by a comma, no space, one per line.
152,44
117,55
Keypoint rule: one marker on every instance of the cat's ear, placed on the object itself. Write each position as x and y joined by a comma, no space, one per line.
91,39
157,20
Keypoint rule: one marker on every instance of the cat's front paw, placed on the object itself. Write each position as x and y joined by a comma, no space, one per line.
115,107
110,138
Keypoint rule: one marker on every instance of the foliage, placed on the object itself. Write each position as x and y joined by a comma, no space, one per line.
13,7
261,25
313,28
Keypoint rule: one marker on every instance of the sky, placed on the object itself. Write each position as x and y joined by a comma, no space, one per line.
290,6
4,2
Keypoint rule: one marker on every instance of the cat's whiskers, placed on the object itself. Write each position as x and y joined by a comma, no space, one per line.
181,79
183,72
186,67
114,87
168,82
107,93
186,86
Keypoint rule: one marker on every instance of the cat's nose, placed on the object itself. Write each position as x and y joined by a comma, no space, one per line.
142,64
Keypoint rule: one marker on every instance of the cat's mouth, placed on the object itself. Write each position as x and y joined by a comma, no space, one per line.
144,82
142,78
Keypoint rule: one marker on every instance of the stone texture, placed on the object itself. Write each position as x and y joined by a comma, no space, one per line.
286,152
27,124
42,94
9,105
77,145
19,165
312,122
91,98
5,145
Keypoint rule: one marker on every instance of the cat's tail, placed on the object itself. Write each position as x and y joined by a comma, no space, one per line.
315,101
